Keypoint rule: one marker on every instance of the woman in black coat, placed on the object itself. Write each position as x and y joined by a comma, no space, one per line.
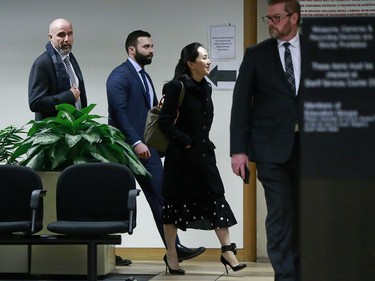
192,186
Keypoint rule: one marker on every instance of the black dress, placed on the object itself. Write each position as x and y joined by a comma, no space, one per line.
192,186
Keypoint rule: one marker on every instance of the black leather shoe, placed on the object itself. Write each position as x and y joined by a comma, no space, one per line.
122,262
185,253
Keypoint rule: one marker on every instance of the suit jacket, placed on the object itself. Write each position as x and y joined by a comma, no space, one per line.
43,95
128,102
264,110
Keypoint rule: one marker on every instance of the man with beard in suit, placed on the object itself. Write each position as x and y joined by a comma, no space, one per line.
131,94
264,129
55,76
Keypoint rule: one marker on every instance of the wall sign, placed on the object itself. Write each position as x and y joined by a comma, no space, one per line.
327,8
223,42
337,149
339,93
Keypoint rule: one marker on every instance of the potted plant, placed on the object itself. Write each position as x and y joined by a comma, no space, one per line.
9,139
73,137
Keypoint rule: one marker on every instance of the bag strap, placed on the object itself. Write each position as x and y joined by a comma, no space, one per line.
182,94
160,104
180,97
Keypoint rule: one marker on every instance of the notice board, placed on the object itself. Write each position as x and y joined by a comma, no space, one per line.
337,149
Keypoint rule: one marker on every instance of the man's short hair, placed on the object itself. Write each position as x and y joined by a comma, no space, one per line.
132,38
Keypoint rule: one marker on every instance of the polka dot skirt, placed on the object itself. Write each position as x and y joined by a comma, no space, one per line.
206,214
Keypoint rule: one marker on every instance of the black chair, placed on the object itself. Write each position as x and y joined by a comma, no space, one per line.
21,204
93,202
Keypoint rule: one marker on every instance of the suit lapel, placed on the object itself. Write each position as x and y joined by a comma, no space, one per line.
76,68
301,42
153,89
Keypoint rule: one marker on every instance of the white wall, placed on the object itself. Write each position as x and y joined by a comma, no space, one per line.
100,29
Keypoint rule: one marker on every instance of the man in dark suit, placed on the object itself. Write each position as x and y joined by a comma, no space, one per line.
264,129
55,76
131,94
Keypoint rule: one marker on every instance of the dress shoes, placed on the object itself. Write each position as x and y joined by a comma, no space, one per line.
185,253
122,262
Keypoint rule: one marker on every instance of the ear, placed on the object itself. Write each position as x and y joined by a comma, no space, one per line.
131,50
190,64
294,17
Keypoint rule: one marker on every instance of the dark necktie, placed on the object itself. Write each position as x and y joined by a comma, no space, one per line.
289,67
143,75
73,81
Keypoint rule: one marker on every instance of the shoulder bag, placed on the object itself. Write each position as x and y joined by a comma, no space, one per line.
153,136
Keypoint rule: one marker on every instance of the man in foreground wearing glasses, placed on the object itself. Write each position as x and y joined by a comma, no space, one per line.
264,129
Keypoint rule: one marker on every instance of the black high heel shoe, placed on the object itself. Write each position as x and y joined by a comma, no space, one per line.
232,247
172,271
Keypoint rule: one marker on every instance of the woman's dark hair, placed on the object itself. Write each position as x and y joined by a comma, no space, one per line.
188,53
132,38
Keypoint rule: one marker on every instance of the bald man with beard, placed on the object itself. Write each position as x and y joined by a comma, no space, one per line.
55,76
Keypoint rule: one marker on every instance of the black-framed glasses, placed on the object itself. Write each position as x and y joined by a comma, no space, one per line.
274,19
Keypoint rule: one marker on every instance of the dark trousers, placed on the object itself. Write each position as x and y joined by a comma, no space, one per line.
281,187
152,189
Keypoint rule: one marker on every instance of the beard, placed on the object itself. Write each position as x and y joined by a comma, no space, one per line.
142,59
63,49
274,33
280,33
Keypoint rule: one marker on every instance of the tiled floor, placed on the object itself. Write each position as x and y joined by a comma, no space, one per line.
143,270
199,271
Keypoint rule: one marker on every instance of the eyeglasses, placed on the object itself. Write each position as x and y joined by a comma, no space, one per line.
274,19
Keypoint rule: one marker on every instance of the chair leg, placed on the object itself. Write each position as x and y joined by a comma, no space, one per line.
29,255
92,261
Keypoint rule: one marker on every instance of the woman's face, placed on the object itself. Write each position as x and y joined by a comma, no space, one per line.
201,66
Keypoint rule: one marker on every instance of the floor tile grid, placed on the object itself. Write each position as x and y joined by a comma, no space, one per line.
200,270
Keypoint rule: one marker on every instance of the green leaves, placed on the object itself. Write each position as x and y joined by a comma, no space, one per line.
72,137
9,138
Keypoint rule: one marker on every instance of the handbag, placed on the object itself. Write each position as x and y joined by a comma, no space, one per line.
153,136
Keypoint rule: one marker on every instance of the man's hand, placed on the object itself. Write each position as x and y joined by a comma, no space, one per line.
75,92
142,151
239,162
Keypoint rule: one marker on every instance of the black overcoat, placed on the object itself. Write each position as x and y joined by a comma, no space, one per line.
42,90
189,172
